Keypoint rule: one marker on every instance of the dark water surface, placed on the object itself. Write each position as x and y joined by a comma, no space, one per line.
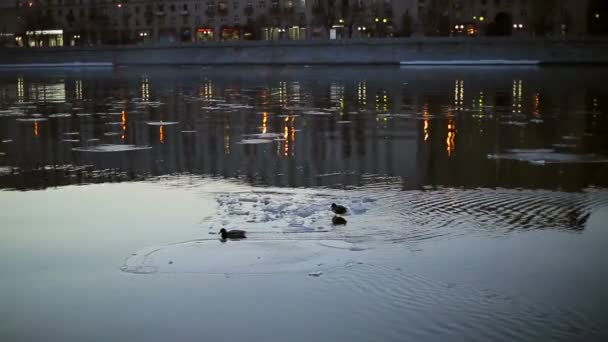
477,197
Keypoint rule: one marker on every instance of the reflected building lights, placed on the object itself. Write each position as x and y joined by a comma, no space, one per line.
536,105
459,95
336,95
78,90
265,122
286,137
123,119
20,89
517,95
427,124
36,128
450,140
161,131
145,89
227,139
382,101
362,94
295,91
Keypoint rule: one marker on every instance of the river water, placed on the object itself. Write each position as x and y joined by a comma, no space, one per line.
477,204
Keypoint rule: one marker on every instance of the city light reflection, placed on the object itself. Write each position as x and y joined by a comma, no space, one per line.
78,90
123,119
20,89
450,140
145,89
362,94
517,95
36,128
459,95
161,131
265,122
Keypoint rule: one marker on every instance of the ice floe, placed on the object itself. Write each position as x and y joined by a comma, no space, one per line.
254,141
110,148
547,156
161,123
60,115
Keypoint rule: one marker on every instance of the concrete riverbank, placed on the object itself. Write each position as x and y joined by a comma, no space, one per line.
407,51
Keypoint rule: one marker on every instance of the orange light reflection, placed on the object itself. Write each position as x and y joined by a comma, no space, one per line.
161,137
124,125
450,140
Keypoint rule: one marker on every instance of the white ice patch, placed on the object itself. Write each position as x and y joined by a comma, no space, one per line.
547,156
254,141
60,115
31,119
244,257
161,123
282,212
265,135
111,148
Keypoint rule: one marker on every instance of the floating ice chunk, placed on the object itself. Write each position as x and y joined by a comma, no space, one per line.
188,132
60,115
543,157
5,141
71,140
254,141
515,123
314,112
343,122
111,148
161,123
71,133
538,150
31,119
265,135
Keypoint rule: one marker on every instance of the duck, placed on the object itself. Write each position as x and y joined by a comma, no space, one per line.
338,220
232,234
338,209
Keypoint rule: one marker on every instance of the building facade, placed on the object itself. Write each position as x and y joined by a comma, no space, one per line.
92,22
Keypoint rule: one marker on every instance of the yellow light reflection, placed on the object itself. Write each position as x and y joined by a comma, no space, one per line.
459,95
124,124
20,89
36,128
265,122
145,89
286,136
517,96
362,94
161,131
450,140
426,129
536,105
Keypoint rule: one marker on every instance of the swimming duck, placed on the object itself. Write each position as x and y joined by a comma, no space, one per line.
232,234
338,220
338,209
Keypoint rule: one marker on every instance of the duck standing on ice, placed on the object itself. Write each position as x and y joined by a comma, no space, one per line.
338,209
232,234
